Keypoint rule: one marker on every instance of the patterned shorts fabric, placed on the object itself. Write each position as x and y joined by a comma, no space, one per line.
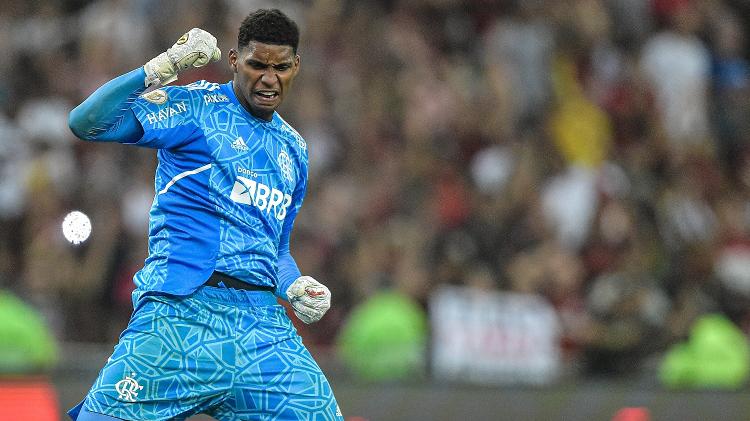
231,354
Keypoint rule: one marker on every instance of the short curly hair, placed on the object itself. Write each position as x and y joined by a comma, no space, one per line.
269,26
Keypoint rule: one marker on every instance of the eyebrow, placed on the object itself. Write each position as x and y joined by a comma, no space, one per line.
251,60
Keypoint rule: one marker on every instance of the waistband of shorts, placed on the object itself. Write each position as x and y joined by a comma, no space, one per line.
218,279
243,298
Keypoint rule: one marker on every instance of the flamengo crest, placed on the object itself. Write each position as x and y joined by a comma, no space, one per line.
128,388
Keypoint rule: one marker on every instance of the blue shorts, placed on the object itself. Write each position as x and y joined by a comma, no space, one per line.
231,354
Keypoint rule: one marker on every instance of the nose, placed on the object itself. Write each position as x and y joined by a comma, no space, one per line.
269,77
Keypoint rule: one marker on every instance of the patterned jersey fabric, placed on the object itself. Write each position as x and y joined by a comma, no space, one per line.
228,353
228,187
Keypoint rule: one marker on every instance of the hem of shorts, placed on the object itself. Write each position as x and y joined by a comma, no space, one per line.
101,412
122,417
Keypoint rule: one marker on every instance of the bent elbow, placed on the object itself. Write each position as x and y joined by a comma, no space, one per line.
77,125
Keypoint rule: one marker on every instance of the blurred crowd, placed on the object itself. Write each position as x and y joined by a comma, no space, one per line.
594,152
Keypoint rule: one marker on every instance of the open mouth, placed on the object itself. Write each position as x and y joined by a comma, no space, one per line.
266,96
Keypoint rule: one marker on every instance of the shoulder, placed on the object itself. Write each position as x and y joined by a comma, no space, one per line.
196,92
163,107
196,100
201,86
290,132
206,96
165,96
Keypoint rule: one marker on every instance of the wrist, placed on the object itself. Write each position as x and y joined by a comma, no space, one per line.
159,71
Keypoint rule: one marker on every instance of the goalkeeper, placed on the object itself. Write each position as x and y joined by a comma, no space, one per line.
207,334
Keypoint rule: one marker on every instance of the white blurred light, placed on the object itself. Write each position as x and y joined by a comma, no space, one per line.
76,227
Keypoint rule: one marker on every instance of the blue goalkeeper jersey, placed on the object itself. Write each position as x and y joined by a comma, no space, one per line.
228,187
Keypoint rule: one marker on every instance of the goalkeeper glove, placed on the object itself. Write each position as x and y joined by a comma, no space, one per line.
309,298
194,49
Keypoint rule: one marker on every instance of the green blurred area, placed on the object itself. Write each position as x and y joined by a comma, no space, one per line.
716,355
26,344
385,338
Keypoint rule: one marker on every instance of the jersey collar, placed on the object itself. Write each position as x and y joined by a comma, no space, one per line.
228,89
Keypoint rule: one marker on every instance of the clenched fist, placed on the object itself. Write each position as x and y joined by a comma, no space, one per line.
309,298
194,49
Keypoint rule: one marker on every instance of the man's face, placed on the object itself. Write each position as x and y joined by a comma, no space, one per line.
262,75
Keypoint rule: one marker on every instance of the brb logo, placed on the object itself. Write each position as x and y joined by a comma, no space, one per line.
128,388
253,193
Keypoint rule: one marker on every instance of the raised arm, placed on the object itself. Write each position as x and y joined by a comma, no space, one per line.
106,115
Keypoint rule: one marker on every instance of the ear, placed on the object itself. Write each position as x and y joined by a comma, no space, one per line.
233,56
296,64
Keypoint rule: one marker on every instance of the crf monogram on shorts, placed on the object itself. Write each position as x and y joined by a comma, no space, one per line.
128,388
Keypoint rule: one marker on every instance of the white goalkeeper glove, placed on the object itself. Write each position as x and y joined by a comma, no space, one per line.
309,298
194,49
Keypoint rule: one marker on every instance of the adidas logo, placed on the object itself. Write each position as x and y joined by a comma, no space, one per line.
203,84
239,145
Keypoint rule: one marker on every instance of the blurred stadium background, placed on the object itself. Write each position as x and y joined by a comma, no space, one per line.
525,210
